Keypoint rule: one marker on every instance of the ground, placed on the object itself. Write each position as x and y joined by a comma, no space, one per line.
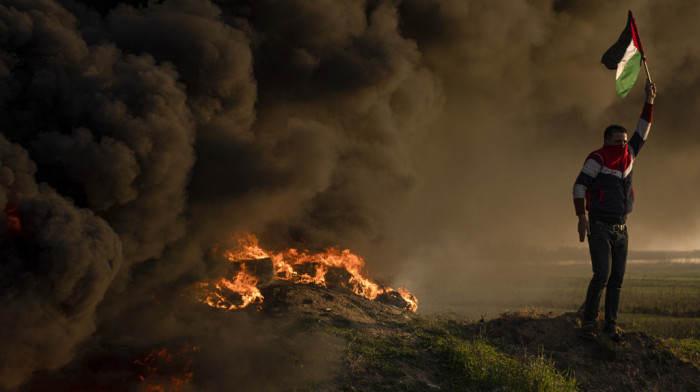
641,364
309,338
391,349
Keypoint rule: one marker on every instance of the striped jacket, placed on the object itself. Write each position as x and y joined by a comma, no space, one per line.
604,186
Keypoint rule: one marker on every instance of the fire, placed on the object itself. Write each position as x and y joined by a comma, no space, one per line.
243,283
410,299
13,223
167,369
295,266
248,249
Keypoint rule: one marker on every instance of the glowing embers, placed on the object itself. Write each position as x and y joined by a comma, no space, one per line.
13,224
167,368
332,267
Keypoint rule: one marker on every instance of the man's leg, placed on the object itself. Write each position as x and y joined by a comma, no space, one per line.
617,273
599,243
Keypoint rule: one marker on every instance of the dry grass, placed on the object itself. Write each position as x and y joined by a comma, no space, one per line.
662,299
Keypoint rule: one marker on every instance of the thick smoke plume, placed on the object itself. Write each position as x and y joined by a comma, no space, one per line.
438,139
137,137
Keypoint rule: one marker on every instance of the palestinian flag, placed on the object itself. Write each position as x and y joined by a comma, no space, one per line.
625,56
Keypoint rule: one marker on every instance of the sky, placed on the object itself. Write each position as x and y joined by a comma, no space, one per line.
438,139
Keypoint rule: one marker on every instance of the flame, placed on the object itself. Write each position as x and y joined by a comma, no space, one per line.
284,263
411,300
167,369
215,294
248,249
13,222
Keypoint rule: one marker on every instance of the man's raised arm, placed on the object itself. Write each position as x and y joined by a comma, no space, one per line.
594,162
644,124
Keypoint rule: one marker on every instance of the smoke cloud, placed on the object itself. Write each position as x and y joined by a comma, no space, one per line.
52,277
526,101
438,139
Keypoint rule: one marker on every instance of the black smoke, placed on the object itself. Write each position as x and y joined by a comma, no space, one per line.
138,135
426,136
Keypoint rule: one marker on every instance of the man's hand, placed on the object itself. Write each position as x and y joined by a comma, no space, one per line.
650,89
583,227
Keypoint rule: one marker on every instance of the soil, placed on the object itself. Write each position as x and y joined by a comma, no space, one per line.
641,364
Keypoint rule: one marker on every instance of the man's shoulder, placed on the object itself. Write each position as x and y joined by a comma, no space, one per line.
597,155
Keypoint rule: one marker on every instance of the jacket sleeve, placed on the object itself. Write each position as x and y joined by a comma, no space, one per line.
642,130
590,171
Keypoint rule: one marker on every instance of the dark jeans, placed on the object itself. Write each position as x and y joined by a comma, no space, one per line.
608,246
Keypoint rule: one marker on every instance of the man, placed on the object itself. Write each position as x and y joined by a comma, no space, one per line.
604,189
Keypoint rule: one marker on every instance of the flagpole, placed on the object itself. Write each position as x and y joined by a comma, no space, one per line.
635,35
646,67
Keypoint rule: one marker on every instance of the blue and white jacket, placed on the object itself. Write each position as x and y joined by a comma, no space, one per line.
604,186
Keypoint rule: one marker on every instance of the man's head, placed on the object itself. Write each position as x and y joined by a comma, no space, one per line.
615,134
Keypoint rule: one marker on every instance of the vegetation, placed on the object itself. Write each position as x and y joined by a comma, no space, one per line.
662,299
686,349
385,349
458,358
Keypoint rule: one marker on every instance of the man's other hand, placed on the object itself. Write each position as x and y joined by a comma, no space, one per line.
583,227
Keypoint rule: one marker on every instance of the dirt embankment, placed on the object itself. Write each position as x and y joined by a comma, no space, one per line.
642,364
308,337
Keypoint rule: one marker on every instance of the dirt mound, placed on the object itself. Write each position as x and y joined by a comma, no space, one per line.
641,364
336,306
332,340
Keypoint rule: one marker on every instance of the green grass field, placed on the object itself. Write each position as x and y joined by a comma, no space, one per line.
659,298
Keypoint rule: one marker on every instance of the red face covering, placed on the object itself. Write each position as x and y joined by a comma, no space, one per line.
620,149
617,156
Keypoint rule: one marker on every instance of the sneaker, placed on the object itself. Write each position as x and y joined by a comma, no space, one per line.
615,334
589,331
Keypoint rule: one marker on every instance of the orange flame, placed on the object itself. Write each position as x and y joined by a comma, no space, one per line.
411,300
248,249
283,263
244,284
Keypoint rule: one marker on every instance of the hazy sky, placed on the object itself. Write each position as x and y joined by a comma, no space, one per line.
438,139
527,99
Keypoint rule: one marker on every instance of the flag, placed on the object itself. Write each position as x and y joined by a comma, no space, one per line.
626,57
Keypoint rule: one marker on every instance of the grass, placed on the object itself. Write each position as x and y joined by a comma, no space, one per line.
450,358
662,326
662,299
428,353
476,365
686,349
